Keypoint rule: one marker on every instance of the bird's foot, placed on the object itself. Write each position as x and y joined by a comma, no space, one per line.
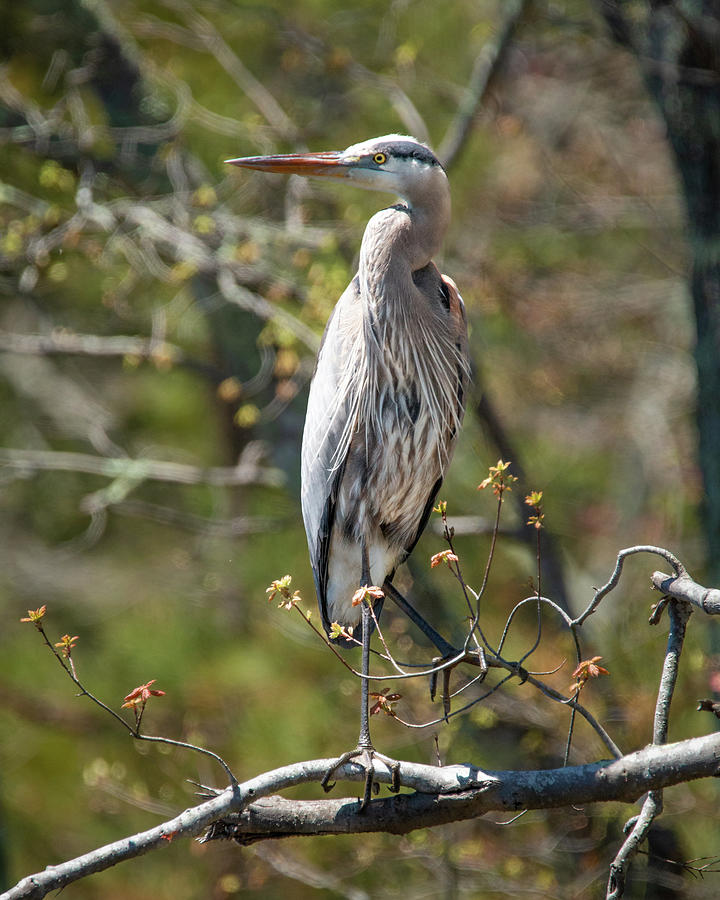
365,756
445,664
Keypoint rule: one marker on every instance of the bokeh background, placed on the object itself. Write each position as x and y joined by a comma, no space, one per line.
159,316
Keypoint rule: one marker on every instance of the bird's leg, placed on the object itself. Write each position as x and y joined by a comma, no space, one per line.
365,747
447,650
474,657
365,750
364,740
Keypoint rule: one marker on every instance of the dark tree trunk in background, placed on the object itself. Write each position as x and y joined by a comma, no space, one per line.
678,50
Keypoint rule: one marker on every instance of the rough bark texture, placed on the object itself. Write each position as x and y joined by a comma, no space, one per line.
441,794
625,780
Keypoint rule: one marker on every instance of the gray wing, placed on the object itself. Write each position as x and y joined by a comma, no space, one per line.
325,423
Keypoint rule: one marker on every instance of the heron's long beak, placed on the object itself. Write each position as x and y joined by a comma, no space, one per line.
329,163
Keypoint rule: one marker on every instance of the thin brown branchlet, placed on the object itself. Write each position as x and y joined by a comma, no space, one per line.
136,700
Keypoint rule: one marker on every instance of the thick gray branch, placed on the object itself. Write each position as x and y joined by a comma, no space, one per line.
188,823
682,587
441,794
620,780
623,780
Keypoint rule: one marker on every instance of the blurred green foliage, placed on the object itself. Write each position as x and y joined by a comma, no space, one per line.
116,218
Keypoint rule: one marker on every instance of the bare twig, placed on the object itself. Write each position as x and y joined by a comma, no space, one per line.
495,430
210,38
485,68
240,296
602,592
61,341
138,470
66,661
577,708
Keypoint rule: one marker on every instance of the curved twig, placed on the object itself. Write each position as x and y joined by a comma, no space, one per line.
602,592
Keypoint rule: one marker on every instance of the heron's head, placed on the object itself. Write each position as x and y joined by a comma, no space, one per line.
394,163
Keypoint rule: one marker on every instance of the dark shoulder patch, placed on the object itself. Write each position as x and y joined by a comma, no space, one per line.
430,282
445,291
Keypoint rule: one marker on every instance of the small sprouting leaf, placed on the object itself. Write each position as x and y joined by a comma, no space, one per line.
534,499
384,703
140,695
339,631
66,645
369,593
35,616
499,479
444,556
585,670
282,586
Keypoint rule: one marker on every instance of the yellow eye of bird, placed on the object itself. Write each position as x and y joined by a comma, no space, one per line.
379,158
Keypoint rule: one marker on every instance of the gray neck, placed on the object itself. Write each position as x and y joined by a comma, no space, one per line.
401,239
430,216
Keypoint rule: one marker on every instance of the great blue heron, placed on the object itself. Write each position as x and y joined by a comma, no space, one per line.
387,398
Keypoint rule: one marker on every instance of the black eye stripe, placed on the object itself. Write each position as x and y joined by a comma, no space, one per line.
409,150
